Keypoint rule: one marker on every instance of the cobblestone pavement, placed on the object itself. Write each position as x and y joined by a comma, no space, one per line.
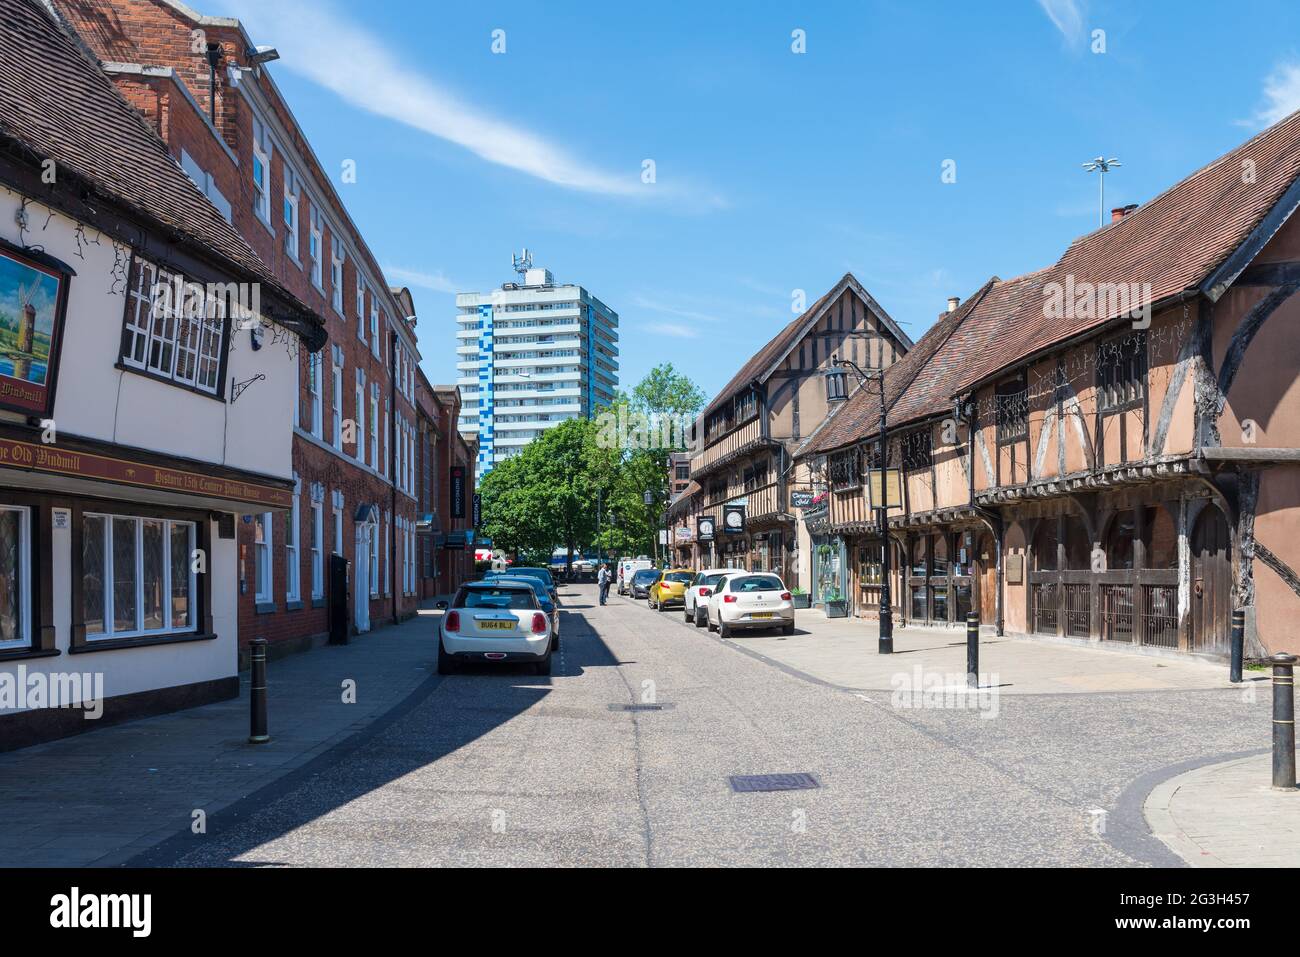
495,767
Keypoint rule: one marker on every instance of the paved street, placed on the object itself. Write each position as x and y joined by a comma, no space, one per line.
500,768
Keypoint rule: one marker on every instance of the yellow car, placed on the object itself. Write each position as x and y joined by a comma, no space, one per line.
670,589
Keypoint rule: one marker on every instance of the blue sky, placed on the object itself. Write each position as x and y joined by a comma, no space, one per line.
774,171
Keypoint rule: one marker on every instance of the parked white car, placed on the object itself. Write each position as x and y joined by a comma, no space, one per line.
628,567
748,600
491,621
697,595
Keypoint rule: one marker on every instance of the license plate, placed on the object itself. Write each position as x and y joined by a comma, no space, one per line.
761,614
496,626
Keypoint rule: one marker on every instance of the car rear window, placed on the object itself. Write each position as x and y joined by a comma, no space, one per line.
502,596
757,583
710,580
678,577
645,575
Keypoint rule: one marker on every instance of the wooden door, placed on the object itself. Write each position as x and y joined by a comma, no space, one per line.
1211,582
987,565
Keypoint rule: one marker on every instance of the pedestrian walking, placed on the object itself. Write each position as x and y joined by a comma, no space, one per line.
603,579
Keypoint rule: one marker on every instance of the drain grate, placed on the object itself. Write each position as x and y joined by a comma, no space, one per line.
636,707
746,783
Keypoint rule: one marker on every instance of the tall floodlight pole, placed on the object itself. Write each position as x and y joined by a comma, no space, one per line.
1101,166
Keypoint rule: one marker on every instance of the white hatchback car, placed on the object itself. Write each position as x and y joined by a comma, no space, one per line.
697,595
489,622
750,600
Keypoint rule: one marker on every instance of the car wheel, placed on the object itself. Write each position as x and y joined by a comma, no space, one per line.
787,628
446,663
686,615
543,667
724,632
708,621
699,619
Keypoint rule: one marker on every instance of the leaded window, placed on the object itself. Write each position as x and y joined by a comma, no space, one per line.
137,577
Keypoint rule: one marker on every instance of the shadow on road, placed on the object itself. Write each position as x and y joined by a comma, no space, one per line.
417,732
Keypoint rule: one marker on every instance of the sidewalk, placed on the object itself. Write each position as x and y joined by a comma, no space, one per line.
842,652
100,798
1227,815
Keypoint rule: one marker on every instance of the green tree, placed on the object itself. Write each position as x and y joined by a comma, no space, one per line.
665,391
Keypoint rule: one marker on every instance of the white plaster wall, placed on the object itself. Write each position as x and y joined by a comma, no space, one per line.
98,401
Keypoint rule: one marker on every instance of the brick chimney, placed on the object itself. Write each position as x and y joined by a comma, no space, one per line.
1119,212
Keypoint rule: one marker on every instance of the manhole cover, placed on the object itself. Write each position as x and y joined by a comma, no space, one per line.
637,707
744,783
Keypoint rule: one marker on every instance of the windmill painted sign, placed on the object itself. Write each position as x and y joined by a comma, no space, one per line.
33,300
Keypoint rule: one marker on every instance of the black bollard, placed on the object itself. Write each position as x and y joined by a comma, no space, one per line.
1283,720
257,732
972,650
1238,645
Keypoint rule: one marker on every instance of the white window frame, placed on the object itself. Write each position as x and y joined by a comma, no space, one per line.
158,329
386,531
263,569
292,555
108,634
336,398
374,426
315,243
315,399
374,327
374,565
317,550
290,211
383,460
263,149
361,307
24,590
338,532
359,450
337,257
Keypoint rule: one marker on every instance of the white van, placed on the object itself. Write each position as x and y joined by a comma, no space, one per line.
628,567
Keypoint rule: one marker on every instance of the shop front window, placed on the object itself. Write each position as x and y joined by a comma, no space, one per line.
15,565
828,570
137,576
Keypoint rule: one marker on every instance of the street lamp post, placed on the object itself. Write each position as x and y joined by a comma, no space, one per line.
835,391
649,500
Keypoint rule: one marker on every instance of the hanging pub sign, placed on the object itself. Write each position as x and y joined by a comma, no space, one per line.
704,528
800,498
33,305
458,491
733,519
893,489
478,509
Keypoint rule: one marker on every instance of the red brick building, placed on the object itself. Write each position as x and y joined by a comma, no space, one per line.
199,81
446,498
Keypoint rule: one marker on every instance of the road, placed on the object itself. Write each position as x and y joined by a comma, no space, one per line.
500,768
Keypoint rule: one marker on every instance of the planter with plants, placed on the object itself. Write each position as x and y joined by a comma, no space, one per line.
836,605
800,598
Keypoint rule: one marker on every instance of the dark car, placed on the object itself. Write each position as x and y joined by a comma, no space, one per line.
544,598
642,579
541,574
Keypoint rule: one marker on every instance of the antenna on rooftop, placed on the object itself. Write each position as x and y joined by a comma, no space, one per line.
523,262
1102,166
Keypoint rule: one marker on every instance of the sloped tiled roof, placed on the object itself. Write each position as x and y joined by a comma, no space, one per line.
56,103
760,363
1174,243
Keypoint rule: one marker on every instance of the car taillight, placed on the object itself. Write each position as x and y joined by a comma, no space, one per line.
453,621
664,586
785,596
539,623
706,592
728,598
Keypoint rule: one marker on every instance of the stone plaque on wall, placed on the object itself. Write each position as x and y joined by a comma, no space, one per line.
1015,569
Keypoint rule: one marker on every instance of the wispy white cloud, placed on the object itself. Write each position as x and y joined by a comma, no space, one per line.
343,57
1066,16
1281,95
675,329
434,281
641,302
